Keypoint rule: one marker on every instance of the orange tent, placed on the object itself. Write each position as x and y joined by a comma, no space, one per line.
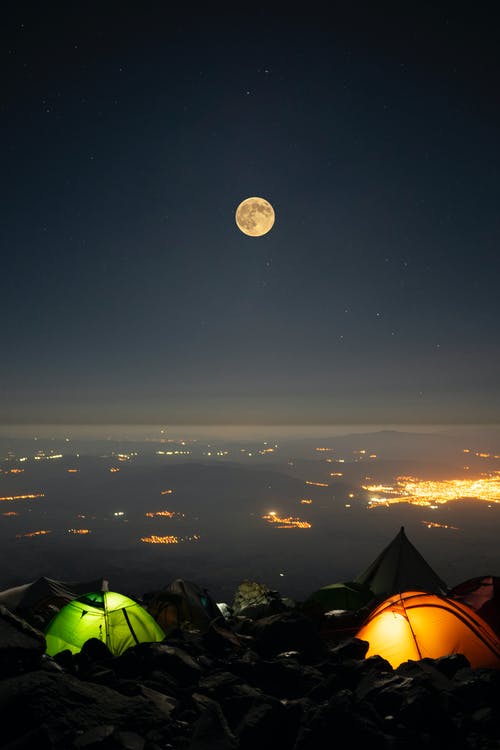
415,625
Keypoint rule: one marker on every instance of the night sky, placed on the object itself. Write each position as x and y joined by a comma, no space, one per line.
130,135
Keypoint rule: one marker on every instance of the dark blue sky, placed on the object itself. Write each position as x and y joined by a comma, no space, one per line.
130,135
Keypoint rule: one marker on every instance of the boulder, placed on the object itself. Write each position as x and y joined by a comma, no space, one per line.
21,645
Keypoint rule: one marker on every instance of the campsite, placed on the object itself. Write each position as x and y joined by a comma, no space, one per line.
249,387
399,660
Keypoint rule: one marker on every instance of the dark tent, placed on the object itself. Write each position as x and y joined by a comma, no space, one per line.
35,597
400,567
183,604
482,594
341,596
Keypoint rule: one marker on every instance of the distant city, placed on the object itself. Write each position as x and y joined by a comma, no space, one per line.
298,513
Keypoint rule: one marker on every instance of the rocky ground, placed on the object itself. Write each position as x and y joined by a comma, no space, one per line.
267,681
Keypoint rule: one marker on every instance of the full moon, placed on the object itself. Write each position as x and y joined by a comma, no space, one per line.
255,216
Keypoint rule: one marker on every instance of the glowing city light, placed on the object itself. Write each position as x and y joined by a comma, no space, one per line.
287,522
435,525
31,496
169,539
431,492
155,539
173,453
79,532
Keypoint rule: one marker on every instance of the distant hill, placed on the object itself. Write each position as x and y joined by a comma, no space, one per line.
395,444
443,446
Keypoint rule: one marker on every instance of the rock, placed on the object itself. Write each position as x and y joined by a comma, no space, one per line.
340,718
175,662
211,731
286,631
106,737
65,660
283,678
352,648
130,741
449,665
221,640
269,682
164,703
63,704
95,737
253,600
21,645
95,650
35,738
264,725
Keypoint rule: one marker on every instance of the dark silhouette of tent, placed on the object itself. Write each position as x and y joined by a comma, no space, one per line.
31,598
348,595
183,604
415,625
400,567
482,594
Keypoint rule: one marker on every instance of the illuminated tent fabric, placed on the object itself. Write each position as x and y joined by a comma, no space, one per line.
482,594
400,567
115,619
415,625
346,596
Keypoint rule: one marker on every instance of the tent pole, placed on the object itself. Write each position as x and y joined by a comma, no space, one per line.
409,625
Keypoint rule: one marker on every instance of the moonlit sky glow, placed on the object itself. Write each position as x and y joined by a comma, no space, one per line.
128,295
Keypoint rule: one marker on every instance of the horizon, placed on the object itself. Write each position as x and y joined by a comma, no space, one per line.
120,431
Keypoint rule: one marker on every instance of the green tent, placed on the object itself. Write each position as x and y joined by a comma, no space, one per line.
115,619
346,596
